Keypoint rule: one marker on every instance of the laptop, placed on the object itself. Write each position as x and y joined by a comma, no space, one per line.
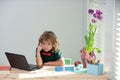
19,61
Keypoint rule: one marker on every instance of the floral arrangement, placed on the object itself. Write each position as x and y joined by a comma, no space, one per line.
95,16
87,52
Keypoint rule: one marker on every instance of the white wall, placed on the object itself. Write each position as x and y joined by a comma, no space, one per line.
23,21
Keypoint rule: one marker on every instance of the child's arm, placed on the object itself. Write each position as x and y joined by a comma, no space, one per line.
59,62
39,61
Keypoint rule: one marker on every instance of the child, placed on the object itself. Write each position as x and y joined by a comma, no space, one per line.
47,52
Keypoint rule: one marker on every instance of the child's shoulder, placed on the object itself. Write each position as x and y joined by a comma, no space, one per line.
58,51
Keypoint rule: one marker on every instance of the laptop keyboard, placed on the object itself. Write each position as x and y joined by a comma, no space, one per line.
32,66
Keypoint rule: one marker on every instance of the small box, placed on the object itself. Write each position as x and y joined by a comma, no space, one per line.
69,68
95,69
59,68
67,61
65,68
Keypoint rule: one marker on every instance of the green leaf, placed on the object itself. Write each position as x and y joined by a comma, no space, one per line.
98,50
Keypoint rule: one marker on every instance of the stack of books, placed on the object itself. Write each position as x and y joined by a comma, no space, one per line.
5,69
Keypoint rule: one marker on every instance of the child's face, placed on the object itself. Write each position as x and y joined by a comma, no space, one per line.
46,45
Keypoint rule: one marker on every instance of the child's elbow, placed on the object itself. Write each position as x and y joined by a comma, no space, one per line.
62,63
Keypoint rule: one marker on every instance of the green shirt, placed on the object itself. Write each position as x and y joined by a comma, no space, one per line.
50,56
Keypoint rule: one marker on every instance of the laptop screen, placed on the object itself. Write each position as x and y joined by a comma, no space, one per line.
17,61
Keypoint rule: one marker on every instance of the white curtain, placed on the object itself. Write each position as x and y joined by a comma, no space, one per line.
117,41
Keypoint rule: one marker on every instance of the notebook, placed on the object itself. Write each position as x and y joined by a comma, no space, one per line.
19,61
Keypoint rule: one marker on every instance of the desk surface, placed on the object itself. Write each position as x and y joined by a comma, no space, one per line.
36,75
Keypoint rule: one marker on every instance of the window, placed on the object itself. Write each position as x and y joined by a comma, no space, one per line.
117,40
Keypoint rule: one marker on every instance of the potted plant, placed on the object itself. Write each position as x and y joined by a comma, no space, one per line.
88,52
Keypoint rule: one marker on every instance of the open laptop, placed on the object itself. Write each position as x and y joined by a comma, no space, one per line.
19,61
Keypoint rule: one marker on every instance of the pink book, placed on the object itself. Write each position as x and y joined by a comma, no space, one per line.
5,67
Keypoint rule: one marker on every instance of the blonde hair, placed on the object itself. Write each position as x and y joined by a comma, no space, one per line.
49,35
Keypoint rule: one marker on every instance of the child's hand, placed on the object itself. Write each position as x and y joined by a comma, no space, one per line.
39,48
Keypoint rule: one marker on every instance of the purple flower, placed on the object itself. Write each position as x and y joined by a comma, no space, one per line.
95,15
90,11
99,17
98,12
94,21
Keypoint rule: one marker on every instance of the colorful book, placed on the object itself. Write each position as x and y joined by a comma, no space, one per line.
5,67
